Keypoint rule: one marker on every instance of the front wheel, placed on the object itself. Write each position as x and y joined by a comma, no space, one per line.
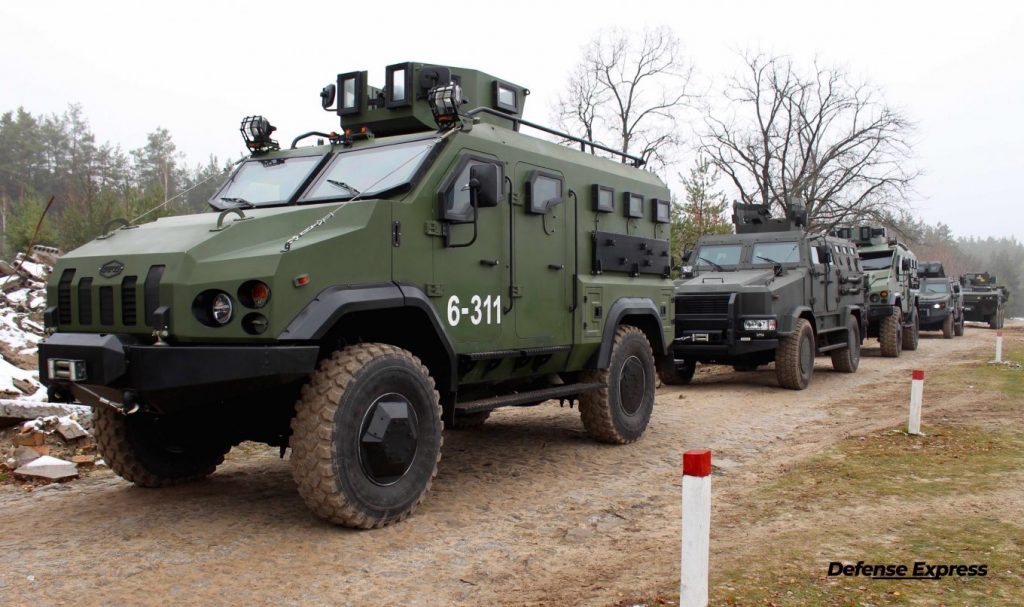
619,412
958,328
366,436
848,359
947,327
912,336
794,358
890,334
157,451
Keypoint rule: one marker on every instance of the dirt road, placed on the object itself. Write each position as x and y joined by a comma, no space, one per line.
526,510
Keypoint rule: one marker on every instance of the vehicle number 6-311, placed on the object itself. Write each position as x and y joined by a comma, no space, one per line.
480,310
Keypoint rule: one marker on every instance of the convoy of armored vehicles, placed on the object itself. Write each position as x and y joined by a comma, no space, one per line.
984,299
425,265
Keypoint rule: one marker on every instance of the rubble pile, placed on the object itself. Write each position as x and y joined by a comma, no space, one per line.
22,302
47,449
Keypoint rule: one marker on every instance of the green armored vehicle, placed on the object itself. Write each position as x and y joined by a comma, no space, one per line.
984,299
769,293
940,304
423,266
892,281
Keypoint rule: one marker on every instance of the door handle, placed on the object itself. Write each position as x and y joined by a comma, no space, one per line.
556,266
489,262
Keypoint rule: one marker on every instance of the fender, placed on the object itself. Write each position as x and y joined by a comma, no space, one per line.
788,321
628,306
320,315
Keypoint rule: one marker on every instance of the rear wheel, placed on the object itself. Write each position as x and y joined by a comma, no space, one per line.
890,334
912,335
619,412
366,436
674,371
794,358
848,359
958,327
947,327
157,451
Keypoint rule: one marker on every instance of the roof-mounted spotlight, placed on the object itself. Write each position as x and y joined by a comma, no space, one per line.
256,132
444,103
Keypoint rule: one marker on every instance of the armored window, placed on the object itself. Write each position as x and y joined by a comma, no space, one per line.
265,182
661,210
506,97
372,171
718,255
453,195
543,191
814,256
604,198
399,85
351,92
775,252
634,204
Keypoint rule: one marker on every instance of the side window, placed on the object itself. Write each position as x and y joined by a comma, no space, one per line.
543,191
814,255
453,196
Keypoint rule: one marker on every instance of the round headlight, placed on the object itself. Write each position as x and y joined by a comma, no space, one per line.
221,308
874,297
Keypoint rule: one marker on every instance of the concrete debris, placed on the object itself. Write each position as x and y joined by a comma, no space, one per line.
25,409
86,460
70,429
49,468
30,439
24,455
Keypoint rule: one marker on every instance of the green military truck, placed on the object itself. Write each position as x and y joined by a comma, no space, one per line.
984,299
771,292
891,269
422,267
940,304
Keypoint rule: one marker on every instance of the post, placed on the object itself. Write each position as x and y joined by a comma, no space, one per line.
693,568
916,395
999,346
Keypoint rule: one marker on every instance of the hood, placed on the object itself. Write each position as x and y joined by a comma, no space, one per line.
749,279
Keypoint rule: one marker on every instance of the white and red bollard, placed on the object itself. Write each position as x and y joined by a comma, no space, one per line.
999,346
916,396
693,569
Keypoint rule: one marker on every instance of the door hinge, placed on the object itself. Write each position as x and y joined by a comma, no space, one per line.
396,233
435,290
433,228
516,290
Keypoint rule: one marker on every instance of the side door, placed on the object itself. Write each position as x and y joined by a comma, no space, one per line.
470,271
819,274
542,265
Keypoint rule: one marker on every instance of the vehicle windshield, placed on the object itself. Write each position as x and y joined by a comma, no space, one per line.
369,171
264,182
877,260
935,288
718,255
776,252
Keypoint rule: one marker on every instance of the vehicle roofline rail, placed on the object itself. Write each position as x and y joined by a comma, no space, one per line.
516,121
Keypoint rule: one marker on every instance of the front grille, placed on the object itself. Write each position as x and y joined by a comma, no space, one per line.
717,304
85,301
107,306
64,297
129,313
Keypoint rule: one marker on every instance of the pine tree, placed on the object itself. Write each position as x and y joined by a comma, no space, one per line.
704,211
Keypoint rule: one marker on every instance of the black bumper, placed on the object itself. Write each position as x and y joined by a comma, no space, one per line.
931,317
876,312
115,362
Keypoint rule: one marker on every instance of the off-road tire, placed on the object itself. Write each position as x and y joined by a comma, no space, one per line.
890,334
848,359
468,421
672,374
912,337
330,416
958,327
996,321
947,327
794,357
137,449
608,414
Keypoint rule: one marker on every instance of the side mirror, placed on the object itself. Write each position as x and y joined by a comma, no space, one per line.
327,95
485,181
905,264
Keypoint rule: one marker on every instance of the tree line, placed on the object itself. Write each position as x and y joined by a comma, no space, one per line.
91,183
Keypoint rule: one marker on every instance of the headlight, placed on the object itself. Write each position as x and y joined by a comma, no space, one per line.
938,306
874,298
221,308
759,324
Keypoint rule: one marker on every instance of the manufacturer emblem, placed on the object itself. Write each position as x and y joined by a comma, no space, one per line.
111,269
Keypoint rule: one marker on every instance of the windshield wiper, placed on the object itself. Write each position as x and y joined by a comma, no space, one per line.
344,186
716,266
240,203
770,260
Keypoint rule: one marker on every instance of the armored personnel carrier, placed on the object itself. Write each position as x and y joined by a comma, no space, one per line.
771,292
422,266
984,299
940,304
891,269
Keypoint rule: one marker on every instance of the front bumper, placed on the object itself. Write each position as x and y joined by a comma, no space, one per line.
932,316
879,311
113,361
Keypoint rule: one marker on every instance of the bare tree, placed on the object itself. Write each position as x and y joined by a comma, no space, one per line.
823,137
627,92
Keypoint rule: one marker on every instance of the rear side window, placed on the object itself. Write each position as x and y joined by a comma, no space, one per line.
543,191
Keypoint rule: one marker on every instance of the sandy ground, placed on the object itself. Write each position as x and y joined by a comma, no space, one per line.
525,511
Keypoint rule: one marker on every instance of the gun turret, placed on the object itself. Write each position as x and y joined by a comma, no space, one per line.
757,218
931,269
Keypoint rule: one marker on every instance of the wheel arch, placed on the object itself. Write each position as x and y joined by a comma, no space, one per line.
640,312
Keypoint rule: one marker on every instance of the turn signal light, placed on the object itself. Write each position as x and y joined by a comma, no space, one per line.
254,294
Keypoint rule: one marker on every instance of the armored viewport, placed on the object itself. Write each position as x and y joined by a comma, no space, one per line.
401,105
866,235
931,269
757,218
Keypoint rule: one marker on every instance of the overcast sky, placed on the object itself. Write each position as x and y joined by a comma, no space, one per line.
196,68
